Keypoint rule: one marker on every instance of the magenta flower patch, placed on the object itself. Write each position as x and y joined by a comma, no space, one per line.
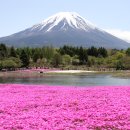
36,107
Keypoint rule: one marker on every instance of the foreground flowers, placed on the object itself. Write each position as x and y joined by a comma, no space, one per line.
45,107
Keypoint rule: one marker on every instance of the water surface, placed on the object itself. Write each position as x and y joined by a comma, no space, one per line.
71,79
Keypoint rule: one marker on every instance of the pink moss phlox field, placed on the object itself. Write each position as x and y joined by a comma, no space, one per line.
35,107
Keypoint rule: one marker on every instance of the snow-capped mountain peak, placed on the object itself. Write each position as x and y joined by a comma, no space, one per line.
62,29
65,19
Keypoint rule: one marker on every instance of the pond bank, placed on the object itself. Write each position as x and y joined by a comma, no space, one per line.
40,72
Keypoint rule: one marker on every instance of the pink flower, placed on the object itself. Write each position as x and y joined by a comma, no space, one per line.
42,107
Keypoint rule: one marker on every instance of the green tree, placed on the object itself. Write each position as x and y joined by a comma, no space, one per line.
83,56
57,59
13,52
68,50
93,51
66,59
36,56
75,60
9,64
128,52
119,65
3,51
126,62
16,60
119,55
1,66
113,51
102,52
24,59
48,52
91,61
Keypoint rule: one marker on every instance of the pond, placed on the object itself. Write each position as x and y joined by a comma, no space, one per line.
71,80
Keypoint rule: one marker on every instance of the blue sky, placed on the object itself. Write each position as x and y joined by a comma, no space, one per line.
113,15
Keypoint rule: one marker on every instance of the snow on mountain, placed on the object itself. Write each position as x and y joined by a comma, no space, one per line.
72,19
64,28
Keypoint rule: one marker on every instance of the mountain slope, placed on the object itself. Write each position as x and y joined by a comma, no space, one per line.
65,28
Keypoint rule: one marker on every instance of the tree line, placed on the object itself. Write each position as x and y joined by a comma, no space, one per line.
63,57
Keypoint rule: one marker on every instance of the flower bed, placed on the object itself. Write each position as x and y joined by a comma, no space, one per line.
42,107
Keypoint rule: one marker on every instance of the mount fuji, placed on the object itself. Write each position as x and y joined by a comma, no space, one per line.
64,28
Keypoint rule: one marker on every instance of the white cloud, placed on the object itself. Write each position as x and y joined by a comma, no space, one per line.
125,35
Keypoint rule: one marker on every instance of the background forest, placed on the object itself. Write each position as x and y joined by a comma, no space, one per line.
66,57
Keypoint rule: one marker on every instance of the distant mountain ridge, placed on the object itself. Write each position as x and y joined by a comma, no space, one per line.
64,28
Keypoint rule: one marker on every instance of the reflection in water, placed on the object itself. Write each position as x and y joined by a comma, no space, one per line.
74,80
